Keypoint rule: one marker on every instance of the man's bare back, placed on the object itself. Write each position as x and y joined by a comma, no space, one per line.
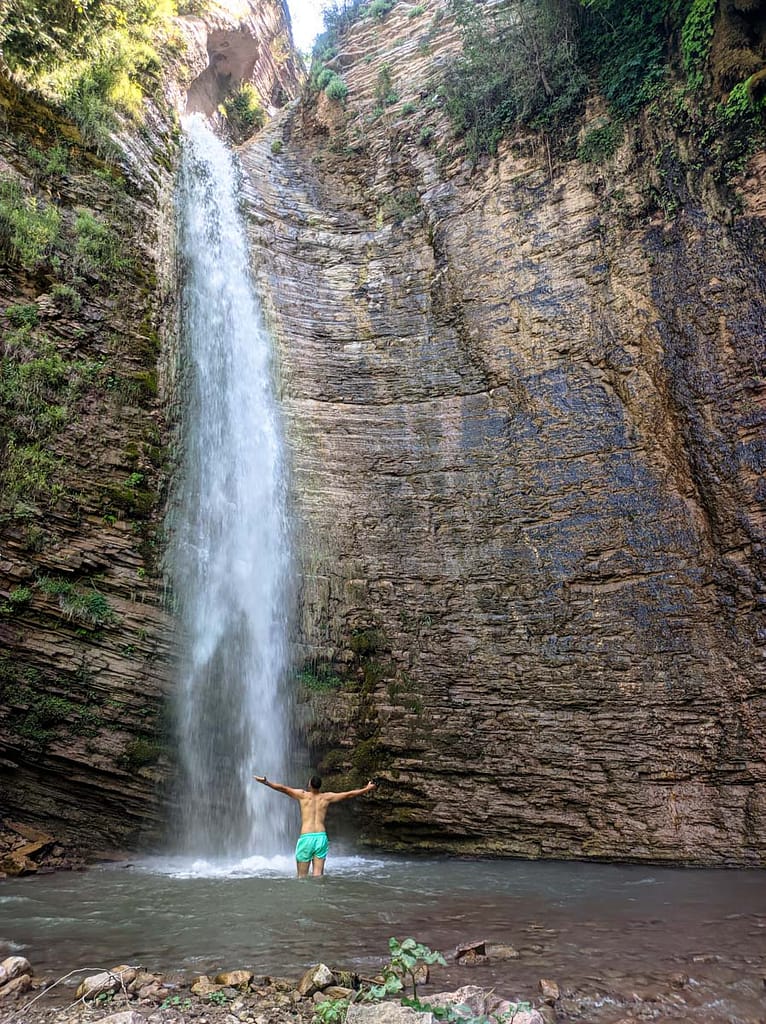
313,849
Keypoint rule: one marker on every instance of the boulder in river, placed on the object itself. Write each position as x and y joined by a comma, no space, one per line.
481,951
549,990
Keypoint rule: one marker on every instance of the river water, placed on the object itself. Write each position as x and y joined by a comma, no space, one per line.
604,932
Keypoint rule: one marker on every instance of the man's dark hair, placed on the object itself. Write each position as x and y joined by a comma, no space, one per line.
315,782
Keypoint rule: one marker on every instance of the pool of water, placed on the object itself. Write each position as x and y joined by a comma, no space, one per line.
603,931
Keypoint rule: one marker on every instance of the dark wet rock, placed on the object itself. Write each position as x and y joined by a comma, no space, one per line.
482,951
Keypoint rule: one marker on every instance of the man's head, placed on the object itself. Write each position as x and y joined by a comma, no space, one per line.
315,782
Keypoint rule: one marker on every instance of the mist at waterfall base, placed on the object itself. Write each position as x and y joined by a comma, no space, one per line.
605,930
229,560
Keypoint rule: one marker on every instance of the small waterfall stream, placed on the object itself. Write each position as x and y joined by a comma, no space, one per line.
229,550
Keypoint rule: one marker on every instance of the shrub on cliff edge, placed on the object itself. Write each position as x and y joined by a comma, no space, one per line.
96,59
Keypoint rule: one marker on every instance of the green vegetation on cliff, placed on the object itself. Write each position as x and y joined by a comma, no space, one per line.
518,67
530,64
244,112
97,58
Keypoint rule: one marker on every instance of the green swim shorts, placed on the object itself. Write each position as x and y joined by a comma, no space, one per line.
310,845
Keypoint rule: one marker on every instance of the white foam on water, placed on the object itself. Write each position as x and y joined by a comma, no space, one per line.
279,866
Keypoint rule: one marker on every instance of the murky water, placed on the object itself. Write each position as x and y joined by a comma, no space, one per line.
605,932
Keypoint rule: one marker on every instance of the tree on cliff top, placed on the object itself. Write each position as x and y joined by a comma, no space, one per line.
519,67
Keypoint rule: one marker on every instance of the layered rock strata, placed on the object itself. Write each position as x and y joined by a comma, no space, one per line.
525,406
88,386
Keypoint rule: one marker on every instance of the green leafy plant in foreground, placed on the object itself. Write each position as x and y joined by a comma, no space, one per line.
331,1011
408,958
175,1002
460,1013
407,961
218,998
244,111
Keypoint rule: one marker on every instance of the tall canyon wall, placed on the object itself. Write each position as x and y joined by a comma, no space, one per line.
89,388
525,405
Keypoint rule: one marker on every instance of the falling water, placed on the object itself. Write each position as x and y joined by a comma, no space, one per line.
229,556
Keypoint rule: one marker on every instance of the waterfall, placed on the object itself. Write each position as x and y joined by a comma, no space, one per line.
229,551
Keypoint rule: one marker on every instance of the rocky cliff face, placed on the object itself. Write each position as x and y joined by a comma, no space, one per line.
88,312
525,407
525,404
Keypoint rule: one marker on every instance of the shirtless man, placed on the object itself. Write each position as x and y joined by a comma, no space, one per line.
312,842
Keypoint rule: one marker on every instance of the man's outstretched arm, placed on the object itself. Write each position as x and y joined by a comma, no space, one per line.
294,793
335,797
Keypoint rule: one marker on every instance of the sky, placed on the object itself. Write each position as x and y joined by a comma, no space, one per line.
306,16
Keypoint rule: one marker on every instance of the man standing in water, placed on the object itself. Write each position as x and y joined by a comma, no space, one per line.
312,842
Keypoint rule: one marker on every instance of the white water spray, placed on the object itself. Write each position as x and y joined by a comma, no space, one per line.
229,552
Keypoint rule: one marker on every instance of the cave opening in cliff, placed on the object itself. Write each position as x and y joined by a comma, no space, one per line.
232,58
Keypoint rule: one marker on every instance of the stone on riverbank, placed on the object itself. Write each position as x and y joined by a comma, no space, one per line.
234,979
387,1013
16,987
15,977
106,981
204,986
124,1017
143,980
28,851
484,1004
337,992
315,979
12,967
